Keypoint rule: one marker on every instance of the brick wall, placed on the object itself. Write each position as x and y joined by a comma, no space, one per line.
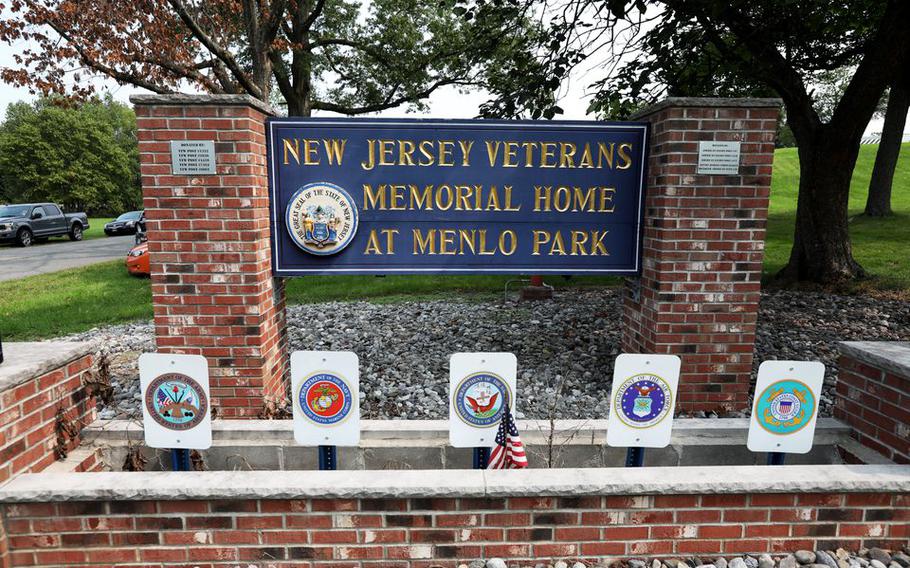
873,396
443,532
212,286
703,248
28,417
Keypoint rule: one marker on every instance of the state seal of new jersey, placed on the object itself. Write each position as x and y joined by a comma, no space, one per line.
479,399
321,218
643,400
325,398
785,407
176,401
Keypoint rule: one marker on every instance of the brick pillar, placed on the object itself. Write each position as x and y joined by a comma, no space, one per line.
703,247
212,287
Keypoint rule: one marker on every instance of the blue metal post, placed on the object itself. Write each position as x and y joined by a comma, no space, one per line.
481,458
776,458
180,460
328,458
635,457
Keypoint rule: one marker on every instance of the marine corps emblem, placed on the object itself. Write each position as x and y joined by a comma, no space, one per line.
643,400
479,399
785,407
325,398
321,218
176,401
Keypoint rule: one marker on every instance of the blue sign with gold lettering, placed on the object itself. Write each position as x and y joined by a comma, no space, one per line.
405,196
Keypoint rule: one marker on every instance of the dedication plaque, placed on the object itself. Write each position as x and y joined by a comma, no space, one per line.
193,157
718,158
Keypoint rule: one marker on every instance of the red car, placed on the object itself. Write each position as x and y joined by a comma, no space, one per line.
137,260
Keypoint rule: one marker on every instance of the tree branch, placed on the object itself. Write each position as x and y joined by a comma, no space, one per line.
387,104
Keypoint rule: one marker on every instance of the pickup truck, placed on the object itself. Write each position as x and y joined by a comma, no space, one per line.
24,224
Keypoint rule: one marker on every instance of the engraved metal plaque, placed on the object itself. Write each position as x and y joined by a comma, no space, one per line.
193,157
718,158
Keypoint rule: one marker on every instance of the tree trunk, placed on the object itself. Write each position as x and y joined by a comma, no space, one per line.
821,244
878,203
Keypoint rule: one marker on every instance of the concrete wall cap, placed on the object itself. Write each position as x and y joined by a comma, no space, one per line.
45,487
892,356
182,99
708,102
28,360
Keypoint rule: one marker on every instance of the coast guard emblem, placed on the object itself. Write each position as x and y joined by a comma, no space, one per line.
479,399
325,398
785,407
321,218
176,401
643,400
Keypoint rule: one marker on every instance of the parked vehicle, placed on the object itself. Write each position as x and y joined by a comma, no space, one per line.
141,235
125,224
25,223
137,260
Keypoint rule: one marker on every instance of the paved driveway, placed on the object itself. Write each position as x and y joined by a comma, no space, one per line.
60,254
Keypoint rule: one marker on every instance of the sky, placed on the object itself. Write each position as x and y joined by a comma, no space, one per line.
445,103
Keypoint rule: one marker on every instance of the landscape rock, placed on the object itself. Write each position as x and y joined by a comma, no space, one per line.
496,563
737,562
875,563
765,561
788,561
826,558
901,559
804,556
882,556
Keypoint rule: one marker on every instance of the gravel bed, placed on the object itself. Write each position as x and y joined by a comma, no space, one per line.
565,347
840,558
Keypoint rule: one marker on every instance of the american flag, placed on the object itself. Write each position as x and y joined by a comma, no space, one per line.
509,452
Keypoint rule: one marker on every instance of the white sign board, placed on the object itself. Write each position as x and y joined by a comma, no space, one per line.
643,400
718,158
325,394
176,404
785,408
193,157
480,386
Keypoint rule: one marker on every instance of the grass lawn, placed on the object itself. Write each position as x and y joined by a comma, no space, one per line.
879,245
96,227
66,302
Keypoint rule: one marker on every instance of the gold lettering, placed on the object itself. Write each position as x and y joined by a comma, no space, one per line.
606,195
396,195
493,200
492,151
426,149
625,157
547,150
464,236
425,244
604,154
446,239
389,240
444,205
587,160
579,238
446,147
483,244
334,149
542,193
584,199
597,243
311,153
462,196
513,242
372,244
371,198
558,246
466,146
509,155
293,149
406,152
567,154
509,207
529,153
424,200
563,199
541,237
387,153
370,162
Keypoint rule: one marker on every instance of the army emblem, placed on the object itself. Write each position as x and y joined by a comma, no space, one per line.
176,401
785,407
321,218
480,398
643,400
325,398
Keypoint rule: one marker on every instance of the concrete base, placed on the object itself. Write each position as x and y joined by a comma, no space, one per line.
536,293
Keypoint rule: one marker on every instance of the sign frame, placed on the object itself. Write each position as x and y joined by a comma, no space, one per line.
500,366
155,366
660,370
278,214
322,367
810,374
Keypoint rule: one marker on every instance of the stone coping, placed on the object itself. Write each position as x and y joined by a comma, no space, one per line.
183,99
50,487
709,102
715,431
30,359
892,356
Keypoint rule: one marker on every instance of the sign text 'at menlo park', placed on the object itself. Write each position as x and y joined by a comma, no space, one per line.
418,196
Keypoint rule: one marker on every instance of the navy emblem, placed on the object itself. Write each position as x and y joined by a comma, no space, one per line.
480,399
643,400
321,218
325,398
176,401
